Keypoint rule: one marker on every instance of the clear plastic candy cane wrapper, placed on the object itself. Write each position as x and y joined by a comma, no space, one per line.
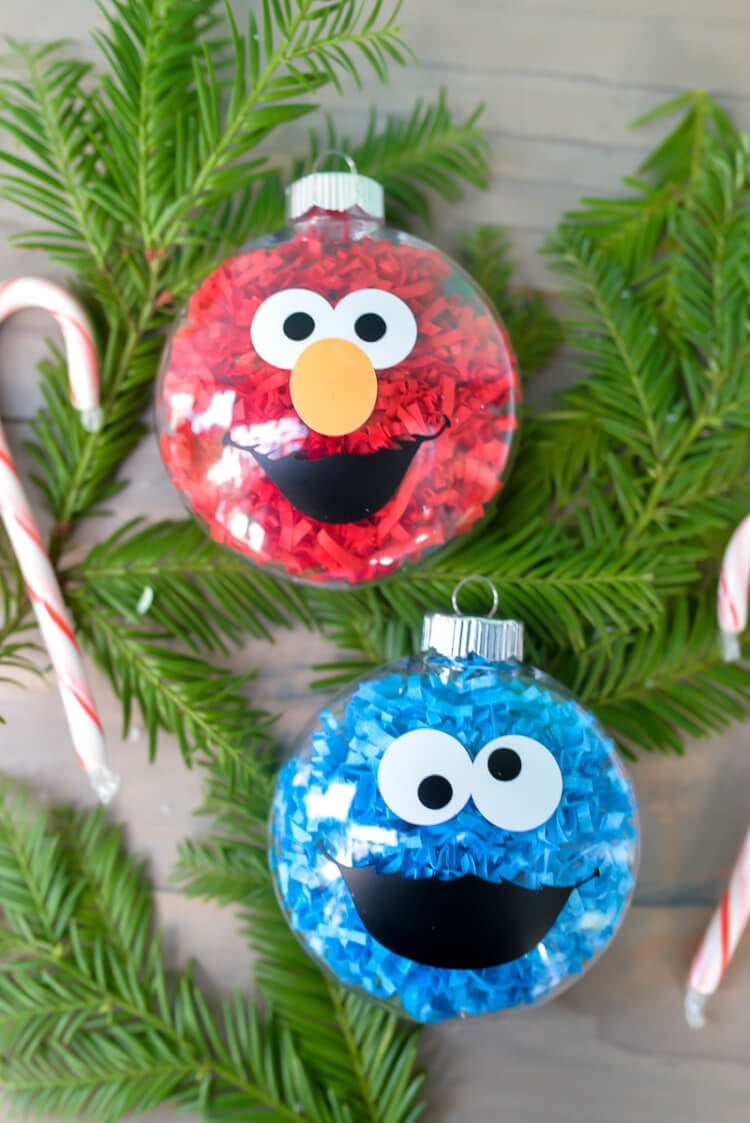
455,834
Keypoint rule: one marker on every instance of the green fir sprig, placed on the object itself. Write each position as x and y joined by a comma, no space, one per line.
92,1025
367,1054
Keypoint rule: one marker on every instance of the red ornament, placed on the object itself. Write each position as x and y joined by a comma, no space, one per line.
339,397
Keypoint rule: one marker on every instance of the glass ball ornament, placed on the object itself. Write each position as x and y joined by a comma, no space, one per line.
339,398
455,834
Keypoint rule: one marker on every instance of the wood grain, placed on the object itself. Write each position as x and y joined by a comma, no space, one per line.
561,80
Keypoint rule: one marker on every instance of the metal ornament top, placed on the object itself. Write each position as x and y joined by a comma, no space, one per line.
335,191
459,636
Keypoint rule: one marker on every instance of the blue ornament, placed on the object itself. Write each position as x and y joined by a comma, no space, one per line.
456,834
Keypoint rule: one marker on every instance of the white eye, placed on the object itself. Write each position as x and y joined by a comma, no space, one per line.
425,776
287,322
516,783
378,322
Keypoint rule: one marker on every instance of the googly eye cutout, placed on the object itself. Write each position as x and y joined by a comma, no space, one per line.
287,322
516,783
425,776
379,322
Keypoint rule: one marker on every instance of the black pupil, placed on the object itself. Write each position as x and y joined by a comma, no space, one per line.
299,325
435,792
504,764
370,327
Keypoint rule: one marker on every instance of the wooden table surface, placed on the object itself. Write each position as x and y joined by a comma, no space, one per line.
561,79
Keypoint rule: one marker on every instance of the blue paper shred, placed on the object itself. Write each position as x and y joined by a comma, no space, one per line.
594,827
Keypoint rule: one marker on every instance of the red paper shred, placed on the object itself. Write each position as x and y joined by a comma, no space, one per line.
461,367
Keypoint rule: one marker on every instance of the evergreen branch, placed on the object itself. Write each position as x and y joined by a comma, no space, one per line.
100,1080
709,313
679,159
201,704
654,688
195,591
364,1052
78,469
534,331
149,46
35,897
142,1058
55,121
297,47
86,1031
115,901
38,1014
634,390
633,230
228,871
355,1046
254,209
61,130
636,231
652,450
561,590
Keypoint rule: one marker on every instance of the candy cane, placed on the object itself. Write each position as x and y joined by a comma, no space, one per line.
722,936
730,919
36,568
733,590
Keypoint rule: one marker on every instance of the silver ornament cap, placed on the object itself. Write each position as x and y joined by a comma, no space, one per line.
335,191
459,636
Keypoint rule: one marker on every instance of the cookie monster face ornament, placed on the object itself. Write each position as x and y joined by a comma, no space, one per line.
339,397
456,835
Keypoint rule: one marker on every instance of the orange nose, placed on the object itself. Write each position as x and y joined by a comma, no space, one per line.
333,387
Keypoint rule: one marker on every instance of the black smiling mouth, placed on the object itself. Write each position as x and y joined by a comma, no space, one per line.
466,923
344,487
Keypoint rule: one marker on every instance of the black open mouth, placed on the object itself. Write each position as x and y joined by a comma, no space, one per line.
467,923
345,487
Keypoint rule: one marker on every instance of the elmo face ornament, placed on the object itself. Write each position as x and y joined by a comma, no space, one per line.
455,836
339,397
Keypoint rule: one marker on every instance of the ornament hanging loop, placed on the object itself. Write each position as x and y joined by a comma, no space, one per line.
327,153
487,583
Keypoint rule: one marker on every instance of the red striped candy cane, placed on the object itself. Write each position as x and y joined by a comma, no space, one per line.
720,941
36,568
733,590
731,917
